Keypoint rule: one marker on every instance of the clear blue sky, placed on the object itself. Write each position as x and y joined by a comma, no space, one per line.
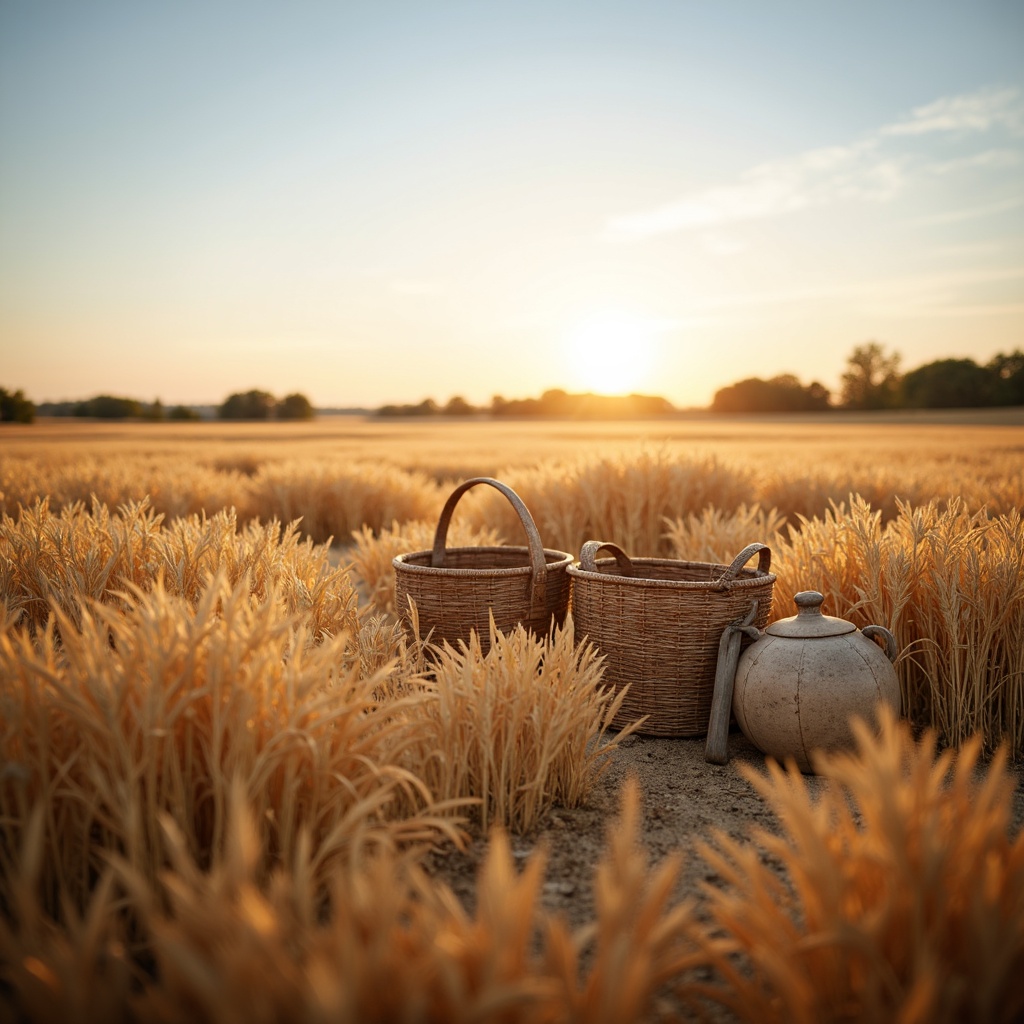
381,201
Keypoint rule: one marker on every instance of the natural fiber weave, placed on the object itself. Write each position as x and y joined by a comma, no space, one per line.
457,589
658,623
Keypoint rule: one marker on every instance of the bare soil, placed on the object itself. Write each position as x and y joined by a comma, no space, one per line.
685,800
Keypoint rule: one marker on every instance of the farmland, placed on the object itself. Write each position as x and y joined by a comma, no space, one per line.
229,780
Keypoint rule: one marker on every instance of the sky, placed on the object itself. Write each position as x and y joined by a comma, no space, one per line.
382,201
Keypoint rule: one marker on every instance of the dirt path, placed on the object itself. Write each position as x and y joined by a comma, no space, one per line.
684,800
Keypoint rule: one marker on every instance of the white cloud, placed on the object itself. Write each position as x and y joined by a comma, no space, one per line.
971,112
873,169
814,178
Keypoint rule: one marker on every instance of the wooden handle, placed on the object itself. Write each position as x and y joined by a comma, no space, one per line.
716,747
538,561
588,556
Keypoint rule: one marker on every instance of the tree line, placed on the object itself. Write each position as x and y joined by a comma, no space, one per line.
872,380
262,405
243,405
552,404
15,407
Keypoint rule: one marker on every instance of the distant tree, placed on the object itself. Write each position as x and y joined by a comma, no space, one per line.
295,407
56,408
949,384
247,405
428,407
15,407
1008,378
154,412
556,402
783,393
458,406
516,407
109,407
871,380
643,406
818,395
183,414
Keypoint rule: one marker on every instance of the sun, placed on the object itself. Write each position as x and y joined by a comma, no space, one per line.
611,353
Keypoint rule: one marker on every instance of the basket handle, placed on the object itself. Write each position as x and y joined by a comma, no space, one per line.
538,562
588,556
764,561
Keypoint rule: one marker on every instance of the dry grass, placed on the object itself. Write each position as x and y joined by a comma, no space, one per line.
718,536
629,498
343,473
220,757
522,726
228,944
60,559
620,498
895,895
332,497
158,708
146,667
903,899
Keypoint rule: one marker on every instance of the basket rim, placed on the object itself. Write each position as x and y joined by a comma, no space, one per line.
754,579
562,560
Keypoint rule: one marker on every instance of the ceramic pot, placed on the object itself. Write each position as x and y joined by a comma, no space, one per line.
800,683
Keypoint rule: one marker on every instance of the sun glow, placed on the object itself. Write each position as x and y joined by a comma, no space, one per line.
611,353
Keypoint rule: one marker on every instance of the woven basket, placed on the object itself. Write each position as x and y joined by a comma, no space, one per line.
658,623
457,589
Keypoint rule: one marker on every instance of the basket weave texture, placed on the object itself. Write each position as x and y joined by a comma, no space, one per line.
456,590
658,622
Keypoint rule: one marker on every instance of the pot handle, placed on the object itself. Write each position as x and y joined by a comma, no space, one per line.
891,650
588,556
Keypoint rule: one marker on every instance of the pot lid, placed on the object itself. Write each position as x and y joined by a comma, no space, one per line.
809,622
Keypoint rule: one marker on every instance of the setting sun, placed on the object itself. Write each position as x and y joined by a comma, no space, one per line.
611,353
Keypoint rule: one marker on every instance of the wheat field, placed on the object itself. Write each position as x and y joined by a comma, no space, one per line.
222,761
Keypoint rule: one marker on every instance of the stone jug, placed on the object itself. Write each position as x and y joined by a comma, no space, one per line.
797,686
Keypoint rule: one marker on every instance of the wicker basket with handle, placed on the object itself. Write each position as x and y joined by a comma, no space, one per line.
658,622
457,589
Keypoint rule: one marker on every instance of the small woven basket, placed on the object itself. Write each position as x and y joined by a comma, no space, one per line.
457,589
658,622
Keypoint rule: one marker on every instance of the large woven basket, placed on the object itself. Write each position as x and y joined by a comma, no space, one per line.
658,623
457,589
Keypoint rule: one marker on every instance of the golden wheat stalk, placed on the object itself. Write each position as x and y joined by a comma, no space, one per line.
522,727
903,894
156,708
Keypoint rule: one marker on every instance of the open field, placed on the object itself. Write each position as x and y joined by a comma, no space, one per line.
343,473
231,787
488,446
